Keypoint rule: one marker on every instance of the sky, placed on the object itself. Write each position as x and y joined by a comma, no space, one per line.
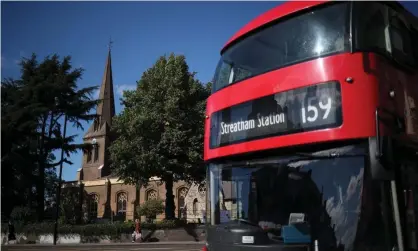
141,32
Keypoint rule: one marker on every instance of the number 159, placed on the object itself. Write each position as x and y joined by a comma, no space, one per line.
311,112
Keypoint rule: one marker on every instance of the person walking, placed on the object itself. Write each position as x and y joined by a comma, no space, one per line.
137,235
11,237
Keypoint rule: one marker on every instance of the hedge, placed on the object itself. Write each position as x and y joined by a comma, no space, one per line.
98,229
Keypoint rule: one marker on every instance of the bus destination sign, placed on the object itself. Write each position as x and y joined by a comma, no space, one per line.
299,110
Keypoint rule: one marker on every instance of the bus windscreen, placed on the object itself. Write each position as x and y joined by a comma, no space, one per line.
318,33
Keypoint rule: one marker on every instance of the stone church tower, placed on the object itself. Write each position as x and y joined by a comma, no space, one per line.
103,195
96,160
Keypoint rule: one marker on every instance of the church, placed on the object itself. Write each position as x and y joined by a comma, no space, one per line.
104,196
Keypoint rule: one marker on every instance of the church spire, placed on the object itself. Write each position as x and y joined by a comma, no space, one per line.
106,108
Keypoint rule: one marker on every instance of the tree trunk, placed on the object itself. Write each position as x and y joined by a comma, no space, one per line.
40,184
137,200
169,198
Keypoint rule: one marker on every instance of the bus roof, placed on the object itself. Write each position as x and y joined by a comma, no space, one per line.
289,8
282,10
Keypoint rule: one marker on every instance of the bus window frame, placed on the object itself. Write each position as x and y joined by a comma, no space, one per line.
398,23
414,36
391,12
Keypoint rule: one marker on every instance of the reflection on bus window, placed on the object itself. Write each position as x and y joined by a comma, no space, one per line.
326,192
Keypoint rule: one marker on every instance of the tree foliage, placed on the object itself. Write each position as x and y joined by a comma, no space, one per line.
70,207
160,131
150,209
32,112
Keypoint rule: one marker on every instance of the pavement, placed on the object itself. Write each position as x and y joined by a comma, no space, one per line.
154,246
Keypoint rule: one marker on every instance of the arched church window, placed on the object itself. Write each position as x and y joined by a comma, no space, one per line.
93,205
152,195
195,201
182,192
96,153
96,123
202,190
89,155
122,200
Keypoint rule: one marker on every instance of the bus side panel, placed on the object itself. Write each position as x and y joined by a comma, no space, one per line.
398,93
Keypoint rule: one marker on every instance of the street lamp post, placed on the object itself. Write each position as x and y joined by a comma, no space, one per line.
58,200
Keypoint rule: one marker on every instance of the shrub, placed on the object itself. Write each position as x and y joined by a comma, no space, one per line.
22,214
150,209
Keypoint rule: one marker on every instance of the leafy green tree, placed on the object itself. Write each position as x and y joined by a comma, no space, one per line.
21,214
31,123
71,206
19,151
160,131
150,209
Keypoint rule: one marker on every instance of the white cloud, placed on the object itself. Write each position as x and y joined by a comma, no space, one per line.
121,88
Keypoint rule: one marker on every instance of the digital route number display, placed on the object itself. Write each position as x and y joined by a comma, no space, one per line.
299,110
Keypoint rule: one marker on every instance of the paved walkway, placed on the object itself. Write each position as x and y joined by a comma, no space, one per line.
155,246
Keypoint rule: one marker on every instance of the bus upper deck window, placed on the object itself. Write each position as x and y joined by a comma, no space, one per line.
414,41
371,24
397,41
231,76
401,39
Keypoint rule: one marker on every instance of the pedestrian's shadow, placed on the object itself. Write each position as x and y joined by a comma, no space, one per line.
191,230
149,237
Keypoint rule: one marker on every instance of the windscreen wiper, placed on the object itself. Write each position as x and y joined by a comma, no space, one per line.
297,156
328,155
322,156
341,152
248,222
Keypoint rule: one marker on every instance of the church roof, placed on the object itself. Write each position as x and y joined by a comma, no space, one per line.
106,108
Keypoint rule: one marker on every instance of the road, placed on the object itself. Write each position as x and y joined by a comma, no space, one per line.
162,246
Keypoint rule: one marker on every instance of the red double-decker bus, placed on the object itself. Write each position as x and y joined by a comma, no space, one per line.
311,131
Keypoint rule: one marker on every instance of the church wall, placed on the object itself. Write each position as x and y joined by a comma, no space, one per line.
101,192
161,194
130,192
108,198
103,158
90,172
101,141
90,169
195,204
